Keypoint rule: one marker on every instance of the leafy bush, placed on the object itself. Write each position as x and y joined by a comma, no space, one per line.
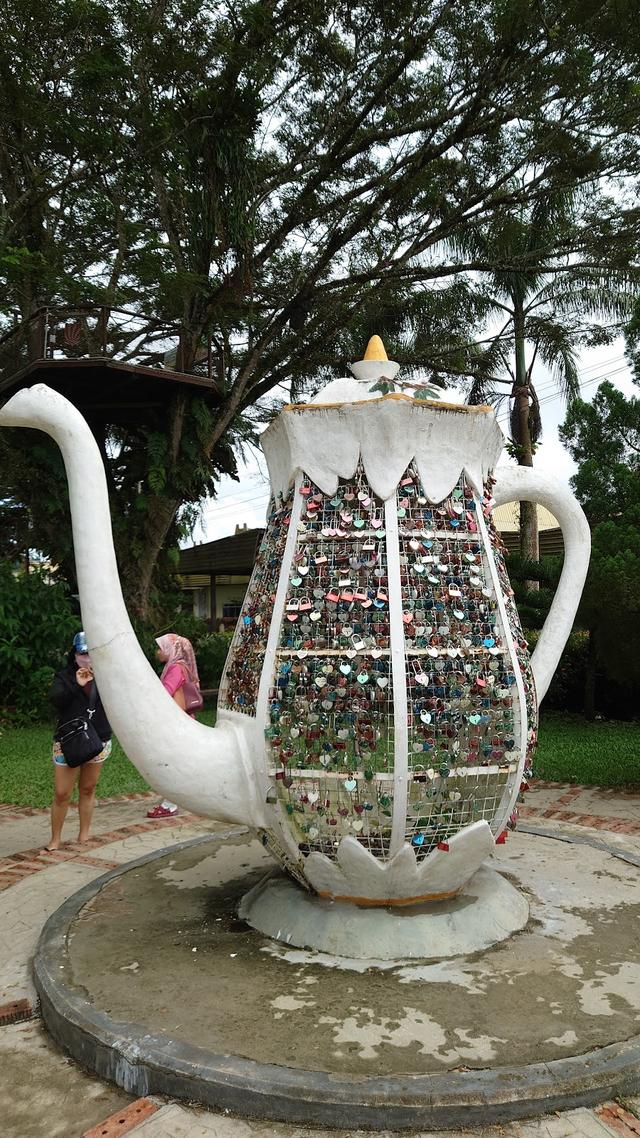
614,699
37,624
211,653
566,690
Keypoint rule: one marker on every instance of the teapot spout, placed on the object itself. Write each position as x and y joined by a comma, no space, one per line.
204,769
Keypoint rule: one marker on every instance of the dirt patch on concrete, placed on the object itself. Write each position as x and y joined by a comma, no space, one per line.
161,947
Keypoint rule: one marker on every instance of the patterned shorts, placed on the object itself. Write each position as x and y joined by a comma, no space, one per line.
58,757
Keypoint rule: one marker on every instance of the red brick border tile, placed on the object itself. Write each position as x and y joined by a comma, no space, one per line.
123,1120
9,812
16,867
593,821
98,862
15,1011
619,1119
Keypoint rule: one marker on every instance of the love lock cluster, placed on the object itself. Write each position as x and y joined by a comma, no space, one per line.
333,706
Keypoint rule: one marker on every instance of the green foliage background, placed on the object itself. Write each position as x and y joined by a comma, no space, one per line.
38,619
37,625
277,181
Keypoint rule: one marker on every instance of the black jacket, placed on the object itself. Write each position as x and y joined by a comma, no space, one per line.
71,700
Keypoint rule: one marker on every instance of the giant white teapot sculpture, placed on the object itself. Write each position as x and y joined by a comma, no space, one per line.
378,705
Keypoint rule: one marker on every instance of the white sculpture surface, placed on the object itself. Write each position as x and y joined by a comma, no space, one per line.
336,787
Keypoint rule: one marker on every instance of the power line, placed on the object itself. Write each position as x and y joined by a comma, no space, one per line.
233,503
504,418
551,385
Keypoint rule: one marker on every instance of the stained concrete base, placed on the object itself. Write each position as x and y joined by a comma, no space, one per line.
488,910
149,978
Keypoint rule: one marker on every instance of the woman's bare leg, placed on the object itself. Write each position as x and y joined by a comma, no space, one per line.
89,775
64,782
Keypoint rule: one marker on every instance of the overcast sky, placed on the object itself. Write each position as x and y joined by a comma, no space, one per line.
246,501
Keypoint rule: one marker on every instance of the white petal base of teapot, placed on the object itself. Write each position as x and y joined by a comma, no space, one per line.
486,911
358,877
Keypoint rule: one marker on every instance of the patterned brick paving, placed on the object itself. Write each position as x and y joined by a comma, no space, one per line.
619,1119
575,788
21,865
11,813
595,822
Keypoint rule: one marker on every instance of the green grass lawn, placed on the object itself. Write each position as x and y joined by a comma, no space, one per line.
26,777
570,750
596,754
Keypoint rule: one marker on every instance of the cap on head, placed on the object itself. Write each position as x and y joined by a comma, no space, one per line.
80,644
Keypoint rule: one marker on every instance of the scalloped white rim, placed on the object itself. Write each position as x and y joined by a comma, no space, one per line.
356,873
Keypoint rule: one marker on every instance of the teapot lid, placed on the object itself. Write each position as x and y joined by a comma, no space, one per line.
363,417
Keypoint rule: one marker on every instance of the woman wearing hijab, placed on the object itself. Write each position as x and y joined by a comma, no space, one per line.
71,693
180,669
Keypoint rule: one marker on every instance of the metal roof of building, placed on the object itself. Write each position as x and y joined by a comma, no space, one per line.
233,554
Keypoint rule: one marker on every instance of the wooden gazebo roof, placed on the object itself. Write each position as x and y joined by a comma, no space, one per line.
112,364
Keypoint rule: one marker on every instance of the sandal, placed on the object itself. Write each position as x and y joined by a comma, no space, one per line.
161,811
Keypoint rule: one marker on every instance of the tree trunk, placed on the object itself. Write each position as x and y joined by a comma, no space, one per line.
137,575
139,569
529,546
590,679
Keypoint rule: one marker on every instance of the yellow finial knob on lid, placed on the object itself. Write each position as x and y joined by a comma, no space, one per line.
376,364
375,350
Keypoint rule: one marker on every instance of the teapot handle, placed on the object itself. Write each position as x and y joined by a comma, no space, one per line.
518,483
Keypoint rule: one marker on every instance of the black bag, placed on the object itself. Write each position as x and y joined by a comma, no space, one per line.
78,738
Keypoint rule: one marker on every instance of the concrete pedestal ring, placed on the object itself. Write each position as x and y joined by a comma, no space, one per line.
487,910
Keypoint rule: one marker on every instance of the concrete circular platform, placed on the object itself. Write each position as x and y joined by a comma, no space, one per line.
148,977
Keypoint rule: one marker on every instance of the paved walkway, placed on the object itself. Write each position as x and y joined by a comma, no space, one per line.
45,1095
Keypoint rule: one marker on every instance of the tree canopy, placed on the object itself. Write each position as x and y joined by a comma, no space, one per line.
288,176
604,439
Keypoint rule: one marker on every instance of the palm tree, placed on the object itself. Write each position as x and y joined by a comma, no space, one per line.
548,304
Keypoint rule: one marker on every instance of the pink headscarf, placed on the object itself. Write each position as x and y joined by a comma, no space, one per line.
178,650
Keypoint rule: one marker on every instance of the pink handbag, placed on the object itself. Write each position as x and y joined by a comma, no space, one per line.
192,696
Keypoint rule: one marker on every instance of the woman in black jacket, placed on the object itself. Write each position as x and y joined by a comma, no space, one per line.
71,692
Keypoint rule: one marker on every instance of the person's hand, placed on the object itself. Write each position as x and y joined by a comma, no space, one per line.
84,676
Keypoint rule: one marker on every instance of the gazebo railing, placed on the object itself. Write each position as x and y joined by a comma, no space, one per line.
60,332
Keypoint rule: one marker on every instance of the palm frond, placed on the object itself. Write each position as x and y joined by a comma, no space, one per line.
554,344
598,294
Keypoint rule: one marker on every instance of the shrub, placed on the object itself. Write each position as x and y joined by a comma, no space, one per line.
566,690
613,699
211,653
37,624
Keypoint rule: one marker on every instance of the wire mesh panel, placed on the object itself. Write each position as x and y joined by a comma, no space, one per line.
463,708
241,679
330,736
